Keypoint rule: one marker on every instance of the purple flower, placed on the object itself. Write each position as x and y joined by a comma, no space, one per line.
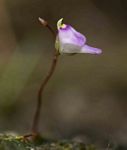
68,40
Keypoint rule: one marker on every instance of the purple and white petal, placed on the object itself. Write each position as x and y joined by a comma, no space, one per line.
90,50
71,36
68,34
69,48
68,40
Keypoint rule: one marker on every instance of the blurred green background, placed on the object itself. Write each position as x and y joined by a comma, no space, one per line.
87,96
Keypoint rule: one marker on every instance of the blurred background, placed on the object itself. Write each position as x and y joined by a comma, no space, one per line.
87,96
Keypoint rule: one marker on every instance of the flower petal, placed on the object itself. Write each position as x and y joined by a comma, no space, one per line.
90,50
68,40
67,34
71,36
69,48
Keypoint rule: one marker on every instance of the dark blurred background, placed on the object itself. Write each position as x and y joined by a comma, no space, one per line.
87,96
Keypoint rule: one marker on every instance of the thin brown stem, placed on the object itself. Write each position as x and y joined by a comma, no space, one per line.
40,92
44,83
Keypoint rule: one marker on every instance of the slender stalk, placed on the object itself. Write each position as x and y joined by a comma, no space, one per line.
40,92
44,83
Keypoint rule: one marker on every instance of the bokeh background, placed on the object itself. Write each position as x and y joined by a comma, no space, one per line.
87,96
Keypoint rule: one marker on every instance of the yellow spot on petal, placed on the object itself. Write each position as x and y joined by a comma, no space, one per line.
63,26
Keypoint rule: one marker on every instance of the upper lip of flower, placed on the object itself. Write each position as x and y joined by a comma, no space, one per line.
60,25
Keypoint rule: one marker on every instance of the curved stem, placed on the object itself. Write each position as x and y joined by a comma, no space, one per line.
44,83
42,87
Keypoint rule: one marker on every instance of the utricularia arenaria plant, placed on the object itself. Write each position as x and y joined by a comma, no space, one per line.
67,41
